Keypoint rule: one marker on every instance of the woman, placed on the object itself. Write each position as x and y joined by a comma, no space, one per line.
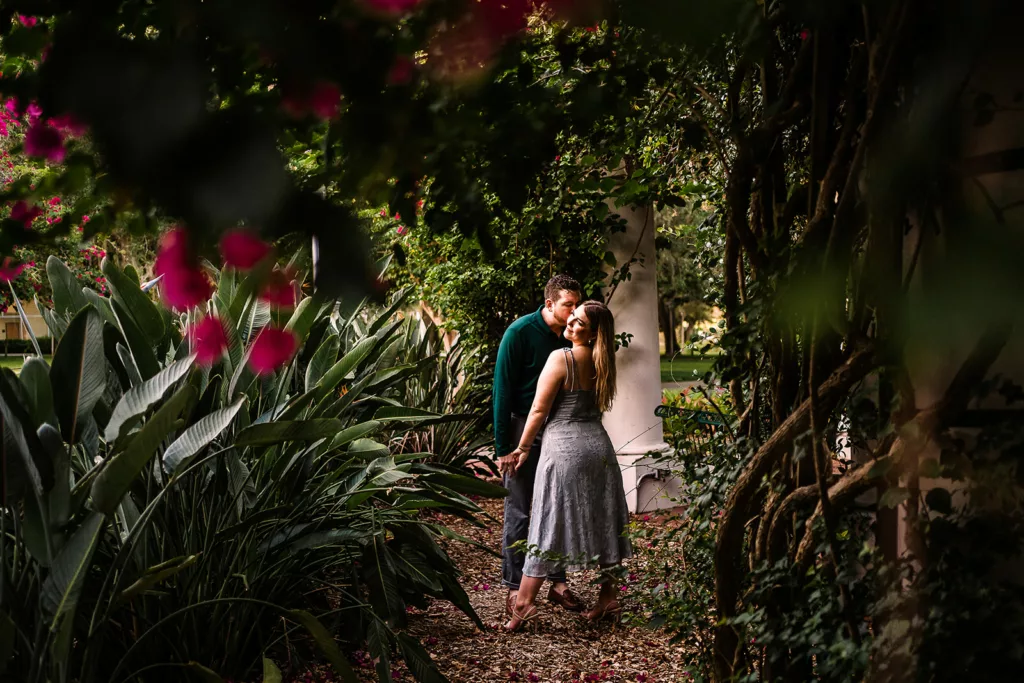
579,507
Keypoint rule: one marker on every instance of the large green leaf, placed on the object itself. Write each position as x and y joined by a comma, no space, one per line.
24,319
271,674
142,350
204,673
59,498
139,305
35,377
326,643
156,575
199,435
276,432
61,589
68,299
378,642
325,357
136,401
306,313
340,370
358,431
461,483
367,448
78,374
396,304
117,475
418,416
418,660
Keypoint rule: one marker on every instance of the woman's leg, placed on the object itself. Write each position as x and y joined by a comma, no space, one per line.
607,600
526,599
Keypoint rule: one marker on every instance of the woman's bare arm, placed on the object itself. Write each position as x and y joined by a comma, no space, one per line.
551,380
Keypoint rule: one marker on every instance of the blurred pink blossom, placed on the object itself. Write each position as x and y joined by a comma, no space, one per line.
25,213
10,269
184,285
208,340
42,140
272,349
279,291
242,249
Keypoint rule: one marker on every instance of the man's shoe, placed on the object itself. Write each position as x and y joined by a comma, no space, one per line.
566,600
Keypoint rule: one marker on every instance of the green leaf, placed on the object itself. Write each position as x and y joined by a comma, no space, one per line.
101,304
142,350
306,313
59,498
930,468
156,575
8,633
350,434
117,475
35,377
67,290
204,673
397,303
397,414
893,497
880,468
139,305
271,674
418,660
464,484
368,448
78,373
378,643
136,401
59,593
196,437
325,642
326,355
269,433
340,370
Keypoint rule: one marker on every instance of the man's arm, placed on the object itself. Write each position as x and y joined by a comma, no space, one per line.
505,372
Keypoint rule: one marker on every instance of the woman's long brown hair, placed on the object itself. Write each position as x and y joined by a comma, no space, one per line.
600,320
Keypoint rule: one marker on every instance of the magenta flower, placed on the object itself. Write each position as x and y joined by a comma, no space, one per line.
10,269
272,349
184,285
242,249
208,340
25,213
402,230
392,7
42,140
34,111
401,71
27,21
69,125
279,291
323,100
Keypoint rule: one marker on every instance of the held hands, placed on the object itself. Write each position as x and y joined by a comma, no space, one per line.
510,464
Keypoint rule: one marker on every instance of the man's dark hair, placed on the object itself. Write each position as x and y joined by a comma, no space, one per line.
561,283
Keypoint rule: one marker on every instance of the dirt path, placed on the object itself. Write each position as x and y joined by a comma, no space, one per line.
564,648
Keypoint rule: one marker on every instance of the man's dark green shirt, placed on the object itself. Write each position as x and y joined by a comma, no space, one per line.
524,350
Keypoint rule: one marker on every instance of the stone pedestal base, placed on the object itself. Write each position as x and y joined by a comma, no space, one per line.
649,486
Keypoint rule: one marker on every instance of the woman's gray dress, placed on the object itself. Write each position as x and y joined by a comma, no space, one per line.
579,508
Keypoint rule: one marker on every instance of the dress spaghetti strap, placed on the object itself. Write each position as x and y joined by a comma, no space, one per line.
571,369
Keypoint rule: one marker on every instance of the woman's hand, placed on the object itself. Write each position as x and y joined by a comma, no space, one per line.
521,460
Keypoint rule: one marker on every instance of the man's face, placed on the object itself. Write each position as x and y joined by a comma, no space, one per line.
562,307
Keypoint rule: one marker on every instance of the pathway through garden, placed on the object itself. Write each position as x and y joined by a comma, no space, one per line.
564,648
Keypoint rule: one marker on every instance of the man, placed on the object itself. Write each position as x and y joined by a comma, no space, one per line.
524,350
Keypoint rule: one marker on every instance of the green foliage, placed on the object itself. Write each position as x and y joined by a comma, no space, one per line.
150,519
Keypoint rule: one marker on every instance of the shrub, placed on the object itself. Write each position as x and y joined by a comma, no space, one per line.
161,516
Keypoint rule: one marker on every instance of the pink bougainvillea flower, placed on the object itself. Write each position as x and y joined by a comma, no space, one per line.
25,213
183,283
401,71
242,249
272,349
34,111
42,140
13,107
69,125
27,21
208,340
392,7
324,99
402,230
805,34
54,201
10,269
279,291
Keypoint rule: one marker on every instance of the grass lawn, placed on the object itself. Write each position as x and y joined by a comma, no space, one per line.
15,362
684,368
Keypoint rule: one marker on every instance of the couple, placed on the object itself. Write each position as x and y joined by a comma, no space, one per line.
554,376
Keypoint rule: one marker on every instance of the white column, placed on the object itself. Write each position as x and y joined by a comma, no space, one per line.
631,423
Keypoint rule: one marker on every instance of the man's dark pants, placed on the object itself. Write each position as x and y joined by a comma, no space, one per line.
517,511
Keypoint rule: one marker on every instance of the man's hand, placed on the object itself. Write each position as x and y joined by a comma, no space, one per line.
508,464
